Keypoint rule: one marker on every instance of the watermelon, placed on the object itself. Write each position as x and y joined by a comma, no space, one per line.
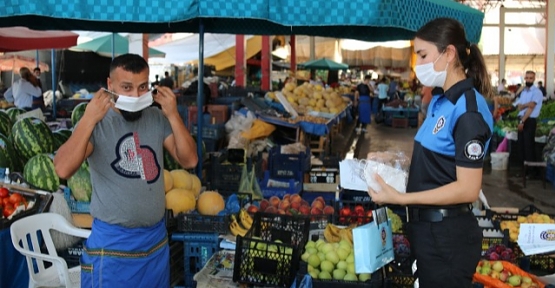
14,112
32,136
80,183
5,124
170,163
7,152
65,132
59,138
40,173
78,113
203,147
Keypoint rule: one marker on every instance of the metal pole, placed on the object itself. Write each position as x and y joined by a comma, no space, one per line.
53,66
200,95
501,67
37,58
113,46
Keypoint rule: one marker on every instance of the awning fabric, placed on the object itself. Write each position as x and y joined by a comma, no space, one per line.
14,39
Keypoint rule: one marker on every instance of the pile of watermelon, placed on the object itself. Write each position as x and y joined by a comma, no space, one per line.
28,145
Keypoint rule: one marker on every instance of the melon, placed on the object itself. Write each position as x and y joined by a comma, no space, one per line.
7,154
180,200
80,183
39,172
196,185
5,124
78,112
168,181
32,136
58,139
14,112
210,203
181,179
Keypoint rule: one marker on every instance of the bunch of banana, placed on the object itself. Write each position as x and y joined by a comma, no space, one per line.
236,228
246,219
334,234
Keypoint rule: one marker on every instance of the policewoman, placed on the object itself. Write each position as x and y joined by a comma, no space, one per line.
446,167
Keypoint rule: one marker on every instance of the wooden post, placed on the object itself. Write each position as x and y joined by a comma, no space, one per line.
240,61
266,65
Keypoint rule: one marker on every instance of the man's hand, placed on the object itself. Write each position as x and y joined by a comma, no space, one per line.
166,98
520,127
98,106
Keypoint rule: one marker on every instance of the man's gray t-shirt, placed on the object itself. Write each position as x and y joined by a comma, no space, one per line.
126,168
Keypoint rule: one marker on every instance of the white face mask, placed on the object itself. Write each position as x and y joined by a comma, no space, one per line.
428,76
134,104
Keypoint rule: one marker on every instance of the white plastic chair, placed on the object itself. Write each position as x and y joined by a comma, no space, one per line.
25,238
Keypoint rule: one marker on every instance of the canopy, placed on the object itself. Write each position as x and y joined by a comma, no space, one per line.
15,62
14,39
324,64
348,19
103,46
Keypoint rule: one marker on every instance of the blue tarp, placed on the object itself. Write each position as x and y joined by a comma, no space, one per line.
355,19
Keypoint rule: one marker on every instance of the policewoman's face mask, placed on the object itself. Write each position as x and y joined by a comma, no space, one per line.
428,76
131,108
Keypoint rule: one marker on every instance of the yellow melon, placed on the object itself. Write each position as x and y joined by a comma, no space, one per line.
210,203
168,181
180,200
181,179
196,185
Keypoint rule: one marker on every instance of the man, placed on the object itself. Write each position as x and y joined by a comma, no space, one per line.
156,82
167,81
38,102
529,105
37,73
124,147
26,92
542,88
362,97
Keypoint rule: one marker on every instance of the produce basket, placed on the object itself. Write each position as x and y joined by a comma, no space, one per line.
210,131
399,271
349,212
293,186
288,165
176,263
74,205
224,178
42,203
192,222
269,254
376,281
197,250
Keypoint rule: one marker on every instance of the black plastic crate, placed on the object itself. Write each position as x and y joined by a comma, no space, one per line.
260,260
225,177
288,165
353,195
342,218
72,255
493,240
540,264
176,263
376,281
193,222
525,211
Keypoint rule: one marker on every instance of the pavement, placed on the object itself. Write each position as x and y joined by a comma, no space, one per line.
502,188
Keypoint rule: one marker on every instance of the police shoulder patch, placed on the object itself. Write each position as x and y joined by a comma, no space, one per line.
474,150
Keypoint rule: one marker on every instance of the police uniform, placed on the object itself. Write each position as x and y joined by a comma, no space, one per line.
446,240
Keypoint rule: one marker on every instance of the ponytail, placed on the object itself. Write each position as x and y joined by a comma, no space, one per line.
475,68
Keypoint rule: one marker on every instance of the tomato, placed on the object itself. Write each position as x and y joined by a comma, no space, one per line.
359,209
6,201
4,192
8,210
16,199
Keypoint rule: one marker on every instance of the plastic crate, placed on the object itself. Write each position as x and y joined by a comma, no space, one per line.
197,250
525,211
353,217
176,263
352,195
210,131
260,261
399,272
202,223
225,177
376,281
72,255
294,186
288,165
323,175
488,241
74,205
541,264
219,114
42,202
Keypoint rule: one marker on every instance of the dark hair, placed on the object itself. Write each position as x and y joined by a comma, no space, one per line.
367,77
129,62
36,69
446,31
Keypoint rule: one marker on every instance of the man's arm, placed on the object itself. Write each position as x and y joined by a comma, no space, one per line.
78,147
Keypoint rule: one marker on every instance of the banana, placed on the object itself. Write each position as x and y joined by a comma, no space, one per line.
236,228
330,234
246,219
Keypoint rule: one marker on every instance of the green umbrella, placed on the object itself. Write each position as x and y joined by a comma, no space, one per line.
103,46
324,64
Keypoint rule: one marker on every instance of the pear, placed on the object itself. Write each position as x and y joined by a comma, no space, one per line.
497,266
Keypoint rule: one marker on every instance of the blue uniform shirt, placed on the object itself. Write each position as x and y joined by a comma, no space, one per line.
456,132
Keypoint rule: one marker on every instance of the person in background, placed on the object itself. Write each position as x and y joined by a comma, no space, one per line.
156,81
529,105
382,94
37,74
393,88
26,91
38,102
445,174
502,87
362,100
542,88
167,81
124,146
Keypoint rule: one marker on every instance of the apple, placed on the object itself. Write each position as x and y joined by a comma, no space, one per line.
319,204
304,202
345,211
296,205
274,201
494,274
281,212
264,204
252,209
503,276
286,197
359,209
328,210
315,211
271,209
515,280
305,210
497,266
295,198
284,205
526,279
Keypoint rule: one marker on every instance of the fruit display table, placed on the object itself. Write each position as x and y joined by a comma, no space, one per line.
14,271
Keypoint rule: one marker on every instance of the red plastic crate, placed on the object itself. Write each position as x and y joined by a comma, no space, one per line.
219,114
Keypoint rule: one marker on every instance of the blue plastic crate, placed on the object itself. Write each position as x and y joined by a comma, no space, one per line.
197,250
215,131
288,165
295,186
74,205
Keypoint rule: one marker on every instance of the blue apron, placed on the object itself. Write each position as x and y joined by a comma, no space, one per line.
364,109
116,256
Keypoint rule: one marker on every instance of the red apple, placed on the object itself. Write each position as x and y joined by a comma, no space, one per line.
359,208
286,197
305,210
284,205
264,204
296,205
271,209
304,202
252,209
280,211
295,197
318,204
328,210
274,201
315,211
345,211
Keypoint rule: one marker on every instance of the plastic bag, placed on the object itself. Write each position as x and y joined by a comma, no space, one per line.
259,129
393,167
